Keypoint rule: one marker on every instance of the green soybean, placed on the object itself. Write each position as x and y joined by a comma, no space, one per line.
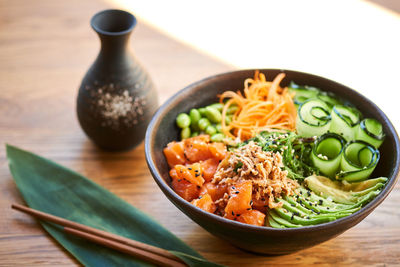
232,109
210,130
194,134
202,111
183,120
195,116
217,106
228,120
203,123
213,114
219,128
218,137
185,133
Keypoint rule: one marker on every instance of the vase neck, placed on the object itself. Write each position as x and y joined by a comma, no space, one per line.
114,28
113,45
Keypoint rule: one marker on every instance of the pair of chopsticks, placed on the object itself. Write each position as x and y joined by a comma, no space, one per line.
148,253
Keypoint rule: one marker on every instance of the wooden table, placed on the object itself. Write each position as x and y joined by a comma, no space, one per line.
45,49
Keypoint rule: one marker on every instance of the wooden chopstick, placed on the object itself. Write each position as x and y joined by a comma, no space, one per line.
143,251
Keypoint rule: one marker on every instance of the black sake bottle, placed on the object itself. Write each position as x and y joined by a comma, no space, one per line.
117,98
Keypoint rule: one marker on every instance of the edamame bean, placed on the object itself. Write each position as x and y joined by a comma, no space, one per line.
183,120
213,114
219,128
217,106
194,134
228,120
195,116
210,130
203,123
185,133
202,111
232,109
218,137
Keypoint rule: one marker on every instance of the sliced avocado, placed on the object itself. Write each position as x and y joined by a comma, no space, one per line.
338,191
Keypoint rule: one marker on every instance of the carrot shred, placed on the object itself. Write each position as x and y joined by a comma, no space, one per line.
263,106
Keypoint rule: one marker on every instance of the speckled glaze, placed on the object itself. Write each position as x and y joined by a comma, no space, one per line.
116,98
265,240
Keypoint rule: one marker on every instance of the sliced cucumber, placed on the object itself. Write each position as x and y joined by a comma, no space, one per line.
344,121
327,153
302,94
329,98
313,118
358,162
370,131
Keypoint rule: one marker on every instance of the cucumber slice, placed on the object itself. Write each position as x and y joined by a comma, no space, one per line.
370,131
302,94
329,98
358,162
327,153
313,118
344,121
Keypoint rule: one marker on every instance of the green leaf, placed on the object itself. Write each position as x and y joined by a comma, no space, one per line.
51,188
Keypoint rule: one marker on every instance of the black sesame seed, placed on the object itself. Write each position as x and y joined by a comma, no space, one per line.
197,175
189,169
248,208
265,206
233,213
251,202
309,193
179,180
198,186
296,213
233,187
293,205
200,197
308,217
320,202
310,204
327,208
291,218
262,199
237,192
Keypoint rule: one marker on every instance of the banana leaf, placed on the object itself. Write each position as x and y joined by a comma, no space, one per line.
51,188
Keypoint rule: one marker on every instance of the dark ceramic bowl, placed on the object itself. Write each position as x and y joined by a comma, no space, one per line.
162,130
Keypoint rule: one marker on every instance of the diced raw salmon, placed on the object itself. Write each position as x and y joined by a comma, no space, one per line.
215,191
205,202
174,154
185,189
253,217
239,201
209,167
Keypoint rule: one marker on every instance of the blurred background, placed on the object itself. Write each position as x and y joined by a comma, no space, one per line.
354,42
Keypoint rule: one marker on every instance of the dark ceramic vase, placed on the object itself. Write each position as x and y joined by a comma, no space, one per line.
117,98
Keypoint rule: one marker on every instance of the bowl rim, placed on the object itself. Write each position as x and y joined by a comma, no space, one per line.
175,198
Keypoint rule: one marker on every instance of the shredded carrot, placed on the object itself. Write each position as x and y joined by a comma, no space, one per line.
263,106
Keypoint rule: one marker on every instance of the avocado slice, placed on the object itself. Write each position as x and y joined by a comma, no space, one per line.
342,191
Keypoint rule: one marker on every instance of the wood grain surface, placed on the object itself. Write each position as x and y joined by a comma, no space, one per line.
45,49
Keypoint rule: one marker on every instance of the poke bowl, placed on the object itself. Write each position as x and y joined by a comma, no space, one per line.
306,220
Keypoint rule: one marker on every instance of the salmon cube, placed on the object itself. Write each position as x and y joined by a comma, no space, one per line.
239,201
253,217
205,203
